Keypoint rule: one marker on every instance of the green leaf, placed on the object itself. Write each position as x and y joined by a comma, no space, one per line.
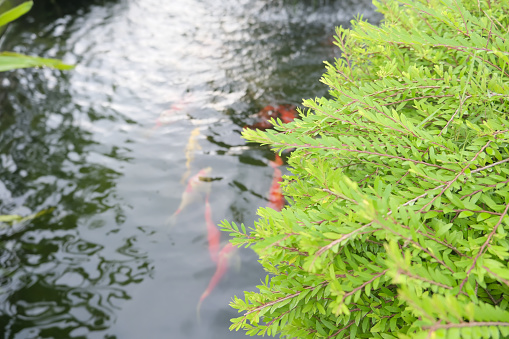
10,218
320,329
483,216
465,214
15,13
320,308
353,332
10,61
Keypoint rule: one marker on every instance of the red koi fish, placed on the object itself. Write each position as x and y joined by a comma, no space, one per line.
222,266
276,198
196,185
286,113
213,234
277,162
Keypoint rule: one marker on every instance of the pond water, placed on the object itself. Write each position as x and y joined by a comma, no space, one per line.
93,148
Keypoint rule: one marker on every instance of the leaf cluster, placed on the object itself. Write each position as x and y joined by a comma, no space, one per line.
397,225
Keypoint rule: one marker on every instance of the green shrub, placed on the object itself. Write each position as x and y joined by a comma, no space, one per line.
397,225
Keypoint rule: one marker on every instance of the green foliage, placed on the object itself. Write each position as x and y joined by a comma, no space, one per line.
399,190
9,60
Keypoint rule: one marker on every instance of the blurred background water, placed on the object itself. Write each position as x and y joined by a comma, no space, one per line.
88,144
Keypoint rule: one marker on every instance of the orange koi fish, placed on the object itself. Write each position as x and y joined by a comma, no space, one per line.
263,118
213,234
276,198
286,113
222,266
196,185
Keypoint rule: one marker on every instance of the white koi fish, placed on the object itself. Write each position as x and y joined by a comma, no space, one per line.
197,187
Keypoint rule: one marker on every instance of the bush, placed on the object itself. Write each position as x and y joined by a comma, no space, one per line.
397,225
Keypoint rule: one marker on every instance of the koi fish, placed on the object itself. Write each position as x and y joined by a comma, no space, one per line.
168,116
191,147
196,185
213,234
264,117
286,113
277,162
222,266
174,113
276,198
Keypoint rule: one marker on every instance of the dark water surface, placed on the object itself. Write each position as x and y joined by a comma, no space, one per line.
104,263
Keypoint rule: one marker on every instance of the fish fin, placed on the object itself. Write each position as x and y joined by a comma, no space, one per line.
198,307
172,220
198,318
148,133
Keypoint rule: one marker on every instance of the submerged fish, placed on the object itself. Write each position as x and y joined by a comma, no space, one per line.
222,267
213,234
277,162
286,113
174,113
276,198
197,186
191,147
169,116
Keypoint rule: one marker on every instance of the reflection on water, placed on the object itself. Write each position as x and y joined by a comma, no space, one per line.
106,146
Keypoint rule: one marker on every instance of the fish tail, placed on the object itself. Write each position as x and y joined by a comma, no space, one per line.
198,307
172,220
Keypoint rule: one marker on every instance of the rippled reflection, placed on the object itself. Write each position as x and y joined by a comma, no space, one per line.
105,147
55,283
